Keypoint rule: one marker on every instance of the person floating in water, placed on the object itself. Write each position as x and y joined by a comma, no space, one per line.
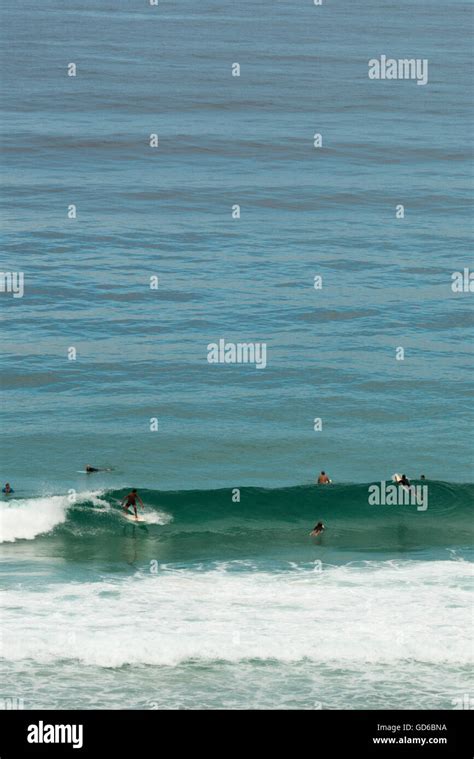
422,477
317,530
7,489
131,499
323,479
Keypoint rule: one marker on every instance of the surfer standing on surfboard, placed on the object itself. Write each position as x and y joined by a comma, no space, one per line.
131,499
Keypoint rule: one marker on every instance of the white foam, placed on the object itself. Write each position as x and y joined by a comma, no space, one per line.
156,517
384,613
24,519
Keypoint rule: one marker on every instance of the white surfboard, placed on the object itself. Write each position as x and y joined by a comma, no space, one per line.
96,471
132,518
398,479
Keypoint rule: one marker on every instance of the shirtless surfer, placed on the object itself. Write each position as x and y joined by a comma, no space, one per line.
131,499
323,479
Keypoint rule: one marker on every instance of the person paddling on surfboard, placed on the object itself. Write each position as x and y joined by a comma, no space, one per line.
7,489
317,530
131,499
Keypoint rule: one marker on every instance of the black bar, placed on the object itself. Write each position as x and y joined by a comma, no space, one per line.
154,733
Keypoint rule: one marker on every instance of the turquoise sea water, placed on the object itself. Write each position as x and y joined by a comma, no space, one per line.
217,602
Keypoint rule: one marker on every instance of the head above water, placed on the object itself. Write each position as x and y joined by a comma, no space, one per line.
134,490
323,472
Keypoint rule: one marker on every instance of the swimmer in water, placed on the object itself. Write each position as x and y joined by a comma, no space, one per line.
323,479
7,489
317,530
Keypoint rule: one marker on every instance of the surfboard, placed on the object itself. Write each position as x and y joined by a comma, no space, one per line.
132,518
96,471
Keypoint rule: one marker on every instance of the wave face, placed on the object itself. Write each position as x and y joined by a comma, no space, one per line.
213,523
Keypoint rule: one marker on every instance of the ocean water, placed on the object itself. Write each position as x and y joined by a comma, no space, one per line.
212,603
222,600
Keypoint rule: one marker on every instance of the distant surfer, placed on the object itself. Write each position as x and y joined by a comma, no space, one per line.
422,477
7,489
131,499
404,481
89,469
323,479
317,530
